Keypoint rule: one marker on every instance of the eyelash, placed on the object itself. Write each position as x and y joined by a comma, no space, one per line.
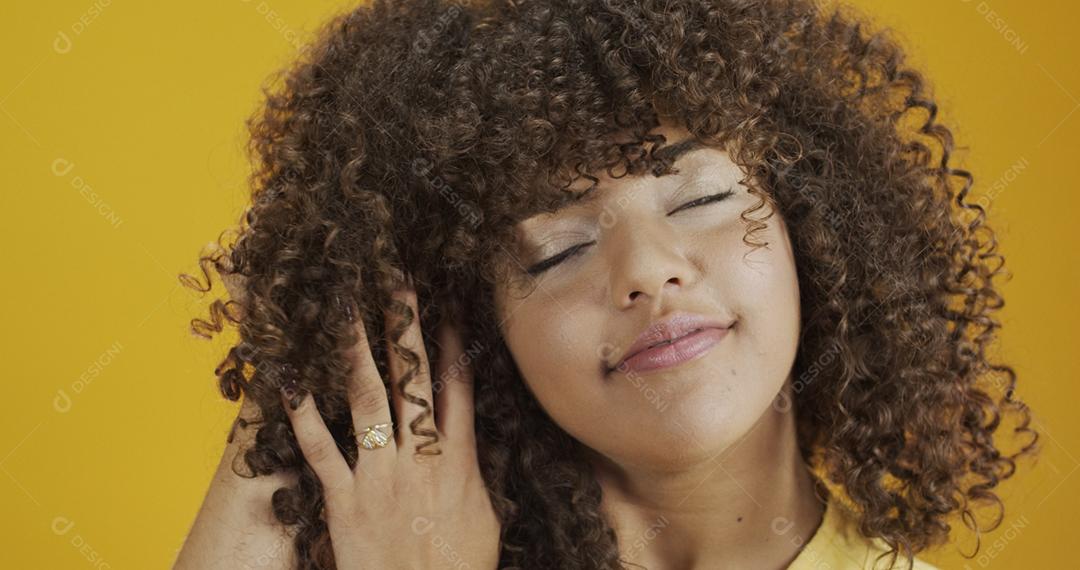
570,252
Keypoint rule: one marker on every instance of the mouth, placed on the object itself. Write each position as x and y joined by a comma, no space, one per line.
673,340
672,352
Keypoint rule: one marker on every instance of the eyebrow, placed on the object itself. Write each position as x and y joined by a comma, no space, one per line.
671,152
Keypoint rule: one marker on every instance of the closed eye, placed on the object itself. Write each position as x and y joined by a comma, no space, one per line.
557,259
705,200
574,250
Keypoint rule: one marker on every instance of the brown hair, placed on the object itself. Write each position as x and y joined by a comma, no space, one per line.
413,134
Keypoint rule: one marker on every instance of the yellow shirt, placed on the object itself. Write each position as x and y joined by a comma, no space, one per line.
838,545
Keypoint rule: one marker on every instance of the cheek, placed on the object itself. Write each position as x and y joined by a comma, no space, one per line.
556,347
761,287
755,282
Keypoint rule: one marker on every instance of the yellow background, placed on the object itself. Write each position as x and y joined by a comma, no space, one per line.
121,125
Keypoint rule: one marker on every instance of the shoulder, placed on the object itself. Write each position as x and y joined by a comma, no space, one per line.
837,545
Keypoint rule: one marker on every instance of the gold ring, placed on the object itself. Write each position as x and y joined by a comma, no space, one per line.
373,436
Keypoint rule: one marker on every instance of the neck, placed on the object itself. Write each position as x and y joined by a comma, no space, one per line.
752,506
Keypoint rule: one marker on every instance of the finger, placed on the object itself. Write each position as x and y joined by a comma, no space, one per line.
419,386
453,388
368,403
316,442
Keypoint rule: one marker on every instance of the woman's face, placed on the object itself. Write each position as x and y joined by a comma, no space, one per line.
644,262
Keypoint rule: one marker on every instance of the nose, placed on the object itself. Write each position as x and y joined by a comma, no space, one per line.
648,263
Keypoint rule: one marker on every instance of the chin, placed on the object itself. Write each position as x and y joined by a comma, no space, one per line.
706,422
715,418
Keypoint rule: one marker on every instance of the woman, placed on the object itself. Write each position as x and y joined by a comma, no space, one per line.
684,284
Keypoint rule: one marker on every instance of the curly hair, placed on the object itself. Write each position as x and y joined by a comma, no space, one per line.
411,136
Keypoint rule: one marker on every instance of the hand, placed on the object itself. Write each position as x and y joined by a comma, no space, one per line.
398,510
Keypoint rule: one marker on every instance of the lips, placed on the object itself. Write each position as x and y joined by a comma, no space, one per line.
669,330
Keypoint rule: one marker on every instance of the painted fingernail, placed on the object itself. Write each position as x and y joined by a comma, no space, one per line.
293,393
345,307
406,281
291,388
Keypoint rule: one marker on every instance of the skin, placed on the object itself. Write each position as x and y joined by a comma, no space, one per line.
698,463
235,527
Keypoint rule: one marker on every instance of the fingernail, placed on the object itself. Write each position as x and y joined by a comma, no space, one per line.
293,393
407,281
346,307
